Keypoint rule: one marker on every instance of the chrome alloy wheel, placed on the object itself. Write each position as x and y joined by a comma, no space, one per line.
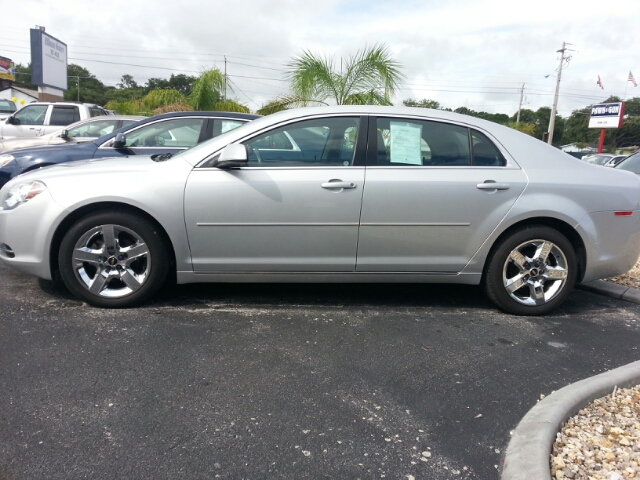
535,272
111,261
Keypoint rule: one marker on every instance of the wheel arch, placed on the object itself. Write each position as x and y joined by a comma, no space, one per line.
93,208
563,227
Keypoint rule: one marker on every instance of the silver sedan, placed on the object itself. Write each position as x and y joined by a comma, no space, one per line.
331,194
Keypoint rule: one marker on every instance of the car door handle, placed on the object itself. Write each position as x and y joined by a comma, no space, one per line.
491,185
337,184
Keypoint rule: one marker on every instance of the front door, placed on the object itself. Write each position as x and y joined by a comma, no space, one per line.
26,122
294,208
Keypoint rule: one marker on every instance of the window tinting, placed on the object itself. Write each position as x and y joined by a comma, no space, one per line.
64,115
485,153
317,142
96,112
408,142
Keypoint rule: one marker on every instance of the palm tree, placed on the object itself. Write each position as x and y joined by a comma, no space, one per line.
370,77
205,95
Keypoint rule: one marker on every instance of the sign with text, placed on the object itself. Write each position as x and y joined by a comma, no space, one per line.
48,60
7,69
606,115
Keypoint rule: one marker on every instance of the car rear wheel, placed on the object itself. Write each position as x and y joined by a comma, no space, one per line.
113,259
531,271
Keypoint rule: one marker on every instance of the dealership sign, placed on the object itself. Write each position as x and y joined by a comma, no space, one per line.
606,115
48,60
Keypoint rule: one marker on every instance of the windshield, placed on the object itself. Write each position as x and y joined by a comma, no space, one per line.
631,163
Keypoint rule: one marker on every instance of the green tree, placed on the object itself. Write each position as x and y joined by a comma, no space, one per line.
23,77
206,95
370,77
424,103
92,90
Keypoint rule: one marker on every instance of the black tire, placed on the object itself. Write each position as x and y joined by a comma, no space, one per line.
113,259
520,279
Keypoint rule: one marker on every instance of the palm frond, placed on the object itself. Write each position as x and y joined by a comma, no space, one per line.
206,90
284,102
229,105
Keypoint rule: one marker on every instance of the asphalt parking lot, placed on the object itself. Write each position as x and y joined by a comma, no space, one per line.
285,381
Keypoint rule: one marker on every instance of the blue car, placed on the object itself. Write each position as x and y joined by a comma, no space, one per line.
166,133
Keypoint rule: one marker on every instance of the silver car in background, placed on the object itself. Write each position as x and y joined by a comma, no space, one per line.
330,194
82,131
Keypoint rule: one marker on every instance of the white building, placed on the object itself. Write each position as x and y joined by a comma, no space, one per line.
23,96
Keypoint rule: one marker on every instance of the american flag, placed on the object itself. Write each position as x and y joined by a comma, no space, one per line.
599,82
631,79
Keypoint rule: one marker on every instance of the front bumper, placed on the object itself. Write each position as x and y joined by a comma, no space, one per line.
26,233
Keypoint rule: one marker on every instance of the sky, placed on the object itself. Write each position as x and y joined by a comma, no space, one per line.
471,53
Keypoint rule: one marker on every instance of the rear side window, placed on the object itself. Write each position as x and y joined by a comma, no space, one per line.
485,153
409,142
64,115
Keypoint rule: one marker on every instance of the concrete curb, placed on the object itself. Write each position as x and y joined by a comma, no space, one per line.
611,290
528,453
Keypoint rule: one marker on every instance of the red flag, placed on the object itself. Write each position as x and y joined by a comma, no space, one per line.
631,79
599,82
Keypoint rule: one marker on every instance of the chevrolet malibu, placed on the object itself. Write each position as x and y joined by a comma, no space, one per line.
330,194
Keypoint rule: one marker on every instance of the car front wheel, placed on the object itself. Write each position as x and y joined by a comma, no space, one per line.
113,259
531,271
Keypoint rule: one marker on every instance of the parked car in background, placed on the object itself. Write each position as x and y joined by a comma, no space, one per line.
630,163
166,133
613,161
78,132
598,158
42,118
7,107
327,194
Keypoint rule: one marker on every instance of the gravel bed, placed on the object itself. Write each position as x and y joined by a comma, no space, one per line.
629,279
602,441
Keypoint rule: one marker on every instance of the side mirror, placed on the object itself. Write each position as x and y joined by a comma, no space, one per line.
9,120
64,135
120,141
232,156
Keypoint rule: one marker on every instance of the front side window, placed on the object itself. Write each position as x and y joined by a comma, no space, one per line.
96,112
64,115
31,115
93,129
317,142
174,133
408,142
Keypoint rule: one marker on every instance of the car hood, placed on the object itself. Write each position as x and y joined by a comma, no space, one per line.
123,179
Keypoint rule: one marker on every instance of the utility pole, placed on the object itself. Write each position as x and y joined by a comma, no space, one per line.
225,77
552,120
520,105
78,77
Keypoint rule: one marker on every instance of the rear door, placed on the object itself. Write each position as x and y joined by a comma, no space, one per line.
435,191
61,116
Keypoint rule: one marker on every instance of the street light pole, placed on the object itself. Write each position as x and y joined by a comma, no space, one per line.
552,120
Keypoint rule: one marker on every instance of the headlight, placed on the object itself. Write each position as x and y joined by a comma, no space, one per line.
22,193
6,159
